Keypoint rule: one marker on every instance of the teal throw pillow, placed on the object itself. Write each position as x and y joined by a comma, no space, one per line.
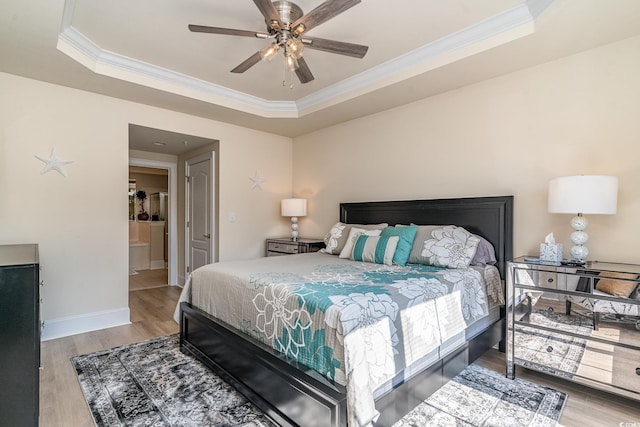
406,235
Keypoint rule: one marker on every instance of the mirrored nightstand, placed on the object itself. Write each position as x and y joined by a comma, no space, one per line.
286,246
581,323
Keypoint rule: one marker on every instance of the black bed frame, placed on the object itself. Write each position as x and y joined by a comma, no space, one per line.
293,395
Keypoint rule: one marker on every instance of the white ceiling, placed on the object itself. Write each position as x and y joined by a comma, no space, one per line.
143,51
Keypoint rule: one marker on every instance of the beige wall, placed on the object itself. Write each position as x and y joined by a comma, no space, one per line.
506,136
509,135
84,238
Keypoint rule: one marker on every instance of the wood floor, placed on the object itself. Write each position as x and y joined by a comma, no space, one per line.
146,279
62,402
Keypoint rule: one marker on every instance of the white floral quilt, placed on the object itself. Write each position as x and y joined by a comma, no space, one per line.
356,323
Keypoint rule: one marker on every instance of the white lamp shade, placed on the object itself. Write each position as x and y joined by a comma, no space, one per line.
585,194
293,207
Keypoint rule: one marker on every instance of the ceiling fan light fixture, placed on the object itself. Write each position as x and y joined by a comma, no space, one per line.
299,29
269,52
294,48
292,63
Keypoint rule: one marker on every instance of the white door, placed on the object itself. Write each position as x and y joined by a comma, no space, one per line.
199,211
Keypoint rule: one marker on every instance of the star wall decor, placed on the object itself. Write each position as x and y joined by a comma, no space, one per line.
53,163
256,181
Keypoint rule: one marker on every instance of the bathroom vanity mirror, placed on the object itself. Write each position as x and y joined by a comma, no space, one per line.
132,199
158,206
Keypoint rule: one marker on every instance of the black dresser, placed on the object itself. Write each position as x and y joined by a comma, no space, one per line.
19,335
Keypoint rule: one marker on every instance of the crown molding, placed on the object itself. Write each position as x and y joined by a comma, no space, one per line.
536,7
502,28
83,50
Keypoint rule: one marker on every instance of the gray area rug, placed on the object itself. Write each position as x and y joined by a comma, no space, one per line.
152,383
479,397
550,352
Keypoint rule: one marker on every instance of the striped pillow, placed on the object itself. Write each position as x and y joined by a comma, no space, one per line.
376,249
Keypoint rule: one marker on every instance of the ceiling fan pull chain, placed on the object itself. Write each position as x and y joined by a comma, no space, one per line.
286,68
284,72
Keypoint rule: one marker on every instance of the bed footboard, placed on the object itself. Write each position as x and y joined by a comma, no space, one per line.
286,392
293,395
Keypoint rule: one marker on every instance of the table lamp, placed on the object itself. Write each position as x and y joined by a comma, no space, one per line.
583,194
294,208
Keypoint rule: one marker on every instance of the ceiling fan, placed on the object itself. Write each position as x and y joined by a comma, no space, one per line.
287,26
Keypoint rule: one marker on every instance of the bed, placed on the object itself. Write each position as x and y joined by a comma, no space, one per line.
309,377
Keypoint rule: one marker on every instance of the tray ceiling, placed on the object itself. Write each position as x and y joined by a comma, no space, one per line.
143,51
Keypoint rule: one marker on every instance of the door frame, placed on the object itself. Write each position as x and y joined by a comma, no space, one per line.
209,155
172,169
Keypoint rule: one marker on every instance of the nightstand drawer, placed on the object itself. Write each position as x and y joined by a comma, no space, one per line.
543,279
287,246
284,248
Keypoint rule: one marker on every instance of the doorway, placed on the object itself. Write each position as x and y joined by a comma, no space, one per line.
162,149
152,236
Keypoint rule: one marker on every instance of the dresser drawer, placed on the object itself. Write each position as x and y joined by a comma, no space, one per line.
284,248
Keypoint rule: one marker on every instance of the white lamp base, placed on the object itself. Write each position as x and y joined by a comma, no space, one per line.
294,228
579,237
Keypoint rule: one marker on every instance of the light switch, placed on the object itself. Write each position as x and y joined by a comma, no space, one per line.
232,217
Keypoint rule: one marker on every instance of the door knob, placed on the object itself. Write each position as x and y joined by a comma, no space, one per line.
208,236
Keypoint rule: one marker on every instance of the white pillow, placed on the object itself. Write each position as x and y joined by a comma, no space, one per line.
451,246
353,236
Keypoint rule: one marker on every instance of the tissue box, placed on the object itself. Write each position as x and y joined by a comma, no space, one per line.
551,252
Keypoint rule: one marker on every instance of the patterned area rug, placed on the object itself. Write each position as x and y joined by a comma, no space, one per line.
553,353
153,384
478,397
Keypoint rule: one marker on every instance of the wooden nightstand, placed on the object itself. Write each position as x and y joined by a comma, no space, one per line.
286,246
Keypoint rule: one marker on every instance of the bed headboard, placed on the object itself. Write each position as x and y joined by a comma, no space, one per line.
489,217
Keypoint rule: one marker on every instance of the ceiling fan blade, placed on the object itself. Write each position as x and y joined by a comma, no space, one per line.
227,31
303,72
269,12
248,63
332,46
324,12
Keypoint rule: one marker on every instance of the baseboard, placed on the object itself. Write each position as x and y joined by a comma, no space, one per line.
65,326
156,265
181,280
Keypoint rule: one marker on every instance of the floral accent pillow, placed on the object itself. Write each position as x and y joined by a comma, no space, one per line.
451,246
331,239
